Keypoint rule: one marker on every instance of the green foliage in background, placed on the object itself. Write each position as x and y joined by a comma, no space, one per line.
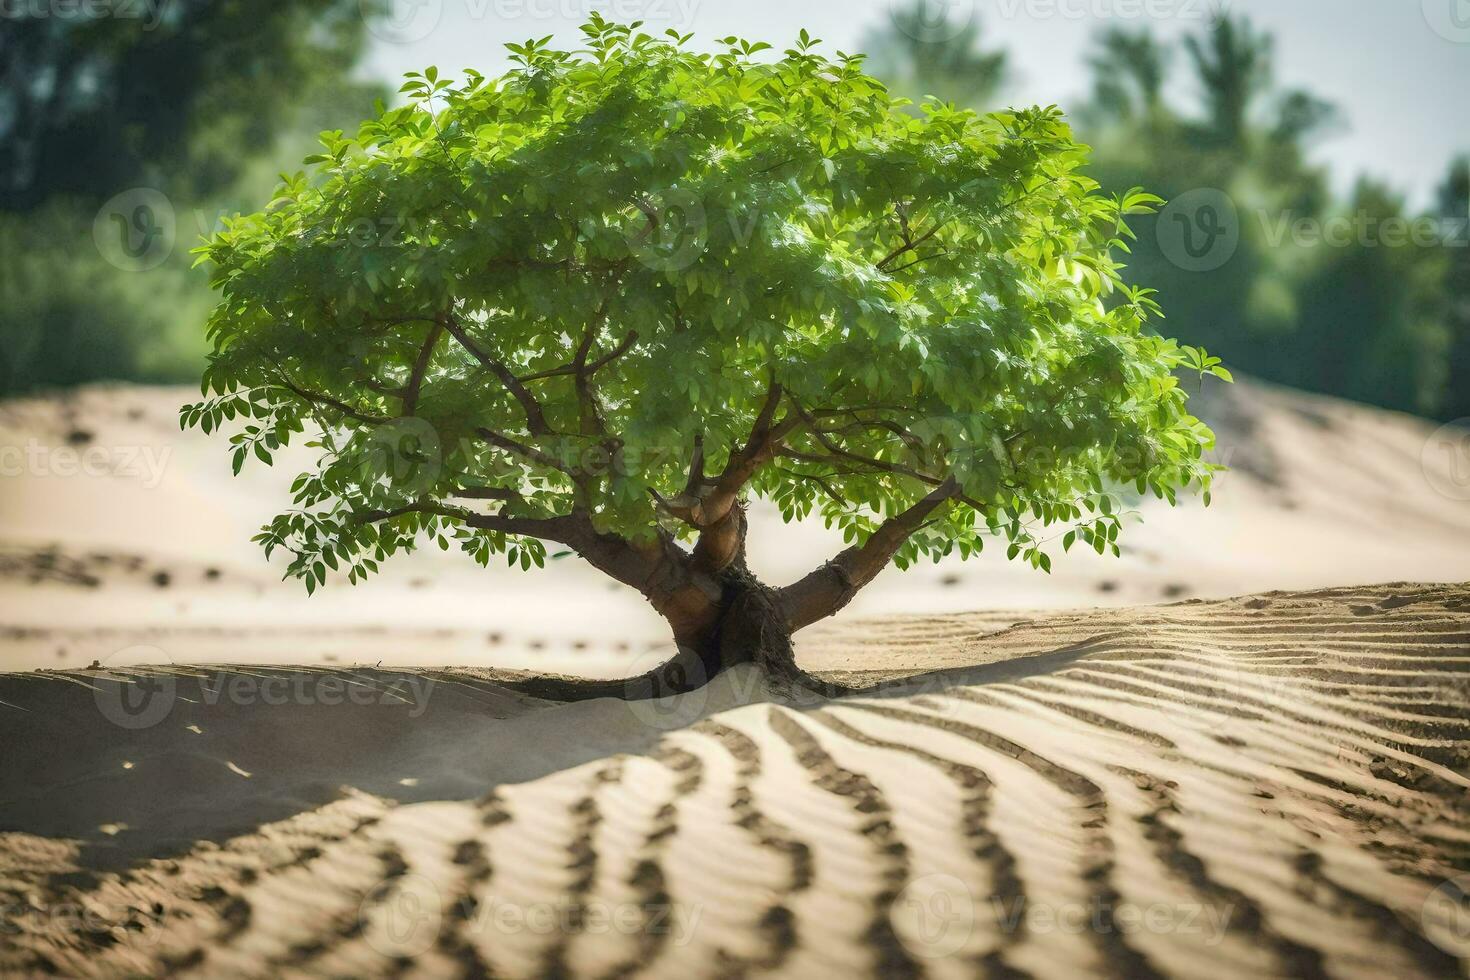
1346,315
1365,317
563,284
186,97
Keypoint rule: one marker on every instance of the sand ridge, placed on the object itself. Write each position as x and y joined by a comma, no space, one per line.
1277,785
119,531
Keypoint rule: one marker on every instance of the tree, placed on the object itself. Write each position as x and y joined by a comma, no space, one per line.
1129,70
598,302
927,55
187,99
92,103
1454,215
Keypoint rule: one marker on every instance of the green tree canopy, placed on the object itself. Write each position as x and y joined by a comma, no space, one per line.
599,300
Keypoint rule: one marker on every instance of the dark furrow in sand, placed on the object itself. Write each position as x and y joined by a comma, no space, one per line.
582,861
1006,887
1385,923
778,925
889,851
1246,916
1118,955
648,879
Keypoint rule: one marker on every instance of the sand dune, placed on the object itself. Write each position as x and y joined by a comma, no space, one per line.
1274,786
117,531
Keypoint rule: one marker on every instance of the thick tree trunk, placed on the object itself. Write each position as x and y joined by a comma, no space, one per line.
752,626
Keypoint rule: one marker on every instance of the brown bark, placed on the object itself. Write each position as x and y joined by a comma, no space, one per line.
829,588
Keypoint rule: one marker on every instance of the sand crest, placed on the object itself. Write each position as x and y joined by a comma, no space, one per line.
1276,785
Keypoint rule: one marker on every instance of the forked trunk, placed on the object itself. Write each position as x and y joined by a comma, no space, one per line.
752,627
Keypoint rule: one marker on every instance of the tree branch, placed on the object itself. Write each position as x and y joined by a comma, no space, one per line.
908,245
420,368
535,417
325,400
500,441
560,529
486,493
623,347
826,590
591,422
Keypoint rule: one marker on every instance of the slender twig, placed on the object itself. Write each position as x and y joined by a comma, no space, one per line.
535,417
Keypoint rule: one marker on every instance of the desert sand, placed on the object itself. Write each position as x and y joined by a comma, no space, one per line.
1272,786
123,540
1114,770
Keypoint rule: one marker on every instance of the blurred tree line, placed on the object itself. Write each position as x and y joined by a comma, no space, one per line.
182,108
1256,260
199,99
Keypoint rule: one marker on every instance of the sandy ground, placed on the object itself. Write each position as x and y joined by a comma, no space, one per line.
1272,786
1076,781
125,541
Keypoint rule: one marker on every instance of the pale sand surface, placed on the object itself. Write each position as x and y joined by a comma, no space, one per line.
1079,781
1268,786
153,549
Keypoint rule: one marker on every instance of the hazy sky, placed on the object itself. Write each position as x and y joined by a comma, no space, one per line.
1393,66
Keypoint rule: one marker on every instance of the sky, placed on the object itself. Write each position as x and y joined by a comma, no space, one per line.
1392,66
